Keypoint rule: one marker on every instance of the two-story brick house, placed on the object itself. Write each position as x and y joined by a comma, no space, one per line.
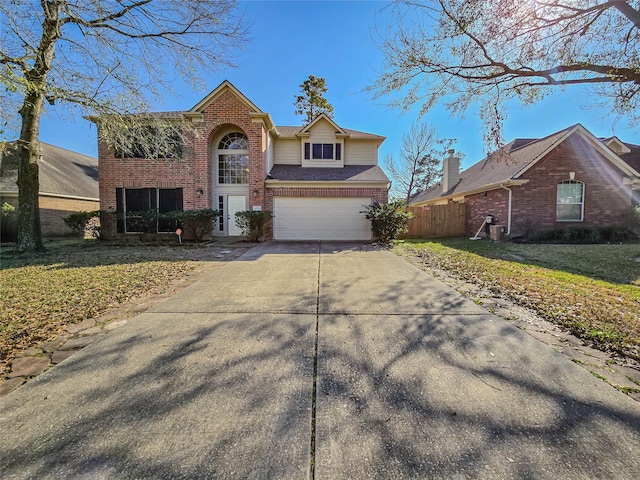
315,179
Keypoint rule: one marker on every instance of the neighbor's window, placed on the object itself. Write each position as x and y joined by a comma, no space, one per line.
233,159
322,151
137,207
570,201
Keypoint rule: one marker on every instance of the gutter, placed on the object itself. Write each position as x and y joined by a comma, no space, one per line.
483,188
509,214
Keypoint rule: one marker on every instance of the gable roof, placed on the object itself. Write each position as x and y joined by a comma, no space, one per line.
61,172
291,132
508,165
226,86
323,116
632,157
219,90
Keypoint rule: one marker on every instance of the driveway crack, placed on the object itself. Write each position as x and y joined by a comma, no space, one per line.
312,442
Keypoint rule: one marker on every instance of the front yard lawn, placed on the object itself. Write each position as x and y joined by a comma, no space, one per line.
592,290
75,280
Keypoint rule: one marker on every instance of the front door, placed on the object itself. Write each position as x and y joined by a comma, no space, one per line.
235,203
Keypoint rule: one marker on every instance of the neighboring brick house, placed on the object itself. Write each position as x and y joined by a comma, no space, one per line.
315,179
568,178
68,183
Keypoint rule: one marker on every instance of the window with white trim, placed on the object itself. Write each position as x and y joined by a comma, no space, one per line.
322,151
233,159
570,201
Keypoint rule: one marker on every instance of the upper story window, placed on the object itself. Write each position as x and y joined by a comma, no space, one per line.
234,141
233,159
570,201
322,151
152,142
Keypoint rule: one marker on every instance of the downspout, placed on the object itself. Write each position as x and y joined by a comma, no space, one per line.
509,214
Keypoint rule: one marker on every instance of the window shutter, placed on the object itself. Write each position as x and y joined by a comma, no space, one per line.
179,206
307,150
338,151
119,210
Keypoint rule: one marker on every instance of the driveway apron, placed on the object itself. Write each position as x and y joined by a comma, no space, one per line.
325,361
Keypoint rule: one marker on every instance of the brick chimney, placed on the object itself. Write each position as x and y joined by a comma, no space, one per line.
450,171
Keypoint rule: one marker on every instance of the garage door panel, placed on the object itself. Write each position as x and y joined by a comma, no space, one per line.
314,218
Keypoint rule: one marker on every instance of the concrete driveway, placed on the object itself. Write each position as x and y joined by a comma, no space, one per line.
329,361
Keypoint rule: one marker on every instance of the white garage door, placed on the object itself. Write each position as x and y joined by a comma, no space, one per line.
310,218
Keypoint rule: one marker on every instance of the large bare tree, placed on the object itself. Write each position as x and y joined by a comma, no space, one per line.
103,58
420,163
490,52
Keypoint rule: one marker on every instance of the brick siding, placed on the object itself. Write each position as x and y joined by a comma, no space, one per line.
192,172
606,200
195,170
376,194
54,209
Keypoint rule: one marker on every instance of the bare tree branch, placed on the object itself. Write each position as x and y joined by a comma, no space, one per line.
461,52
107,59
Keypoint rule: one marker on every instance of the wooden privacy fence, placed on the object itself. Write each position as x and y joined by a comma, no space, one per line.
437,221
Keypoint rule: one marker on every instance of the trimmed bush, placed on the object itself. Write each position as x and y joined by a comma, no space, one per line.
81,222
253,224
388,220
196,224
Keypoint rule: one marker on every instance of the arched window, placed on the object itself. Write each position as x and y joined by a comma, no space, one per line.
233,159
570,201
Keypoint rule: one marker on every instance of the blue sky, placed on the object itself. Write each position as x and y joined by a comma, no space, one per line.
335,40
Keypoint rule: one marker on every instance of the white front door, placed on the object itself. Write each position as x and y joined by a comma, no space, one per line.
235,203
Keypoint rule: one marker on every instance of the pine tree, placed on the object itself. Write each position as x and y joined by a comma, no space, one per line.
311,102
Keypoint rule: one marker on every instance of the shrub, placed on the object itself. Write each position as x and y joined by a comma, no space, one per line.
388,220
8,222
81,222
586,235
195,223
253,224
529,228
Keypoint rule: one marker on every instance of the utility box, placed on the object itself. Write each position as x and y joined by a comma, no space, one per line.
496,233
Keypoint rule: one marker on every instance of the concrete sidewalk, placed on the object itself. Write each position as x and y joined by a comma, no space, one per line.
413,381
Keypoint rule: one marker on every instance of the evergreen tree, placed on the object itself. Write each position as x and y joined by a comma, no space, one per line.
311,101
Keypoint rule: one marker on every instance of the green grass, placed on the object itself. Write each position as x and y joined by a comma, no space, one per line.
75,280
592,290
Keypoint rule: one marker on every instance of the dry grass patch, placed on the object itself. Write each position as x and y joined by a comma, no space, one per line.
593,290
74,281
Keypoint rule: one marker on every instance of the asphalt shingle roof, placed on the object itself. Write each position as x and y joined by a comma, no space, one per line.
61,172
290,131
499,167
348,173
633,157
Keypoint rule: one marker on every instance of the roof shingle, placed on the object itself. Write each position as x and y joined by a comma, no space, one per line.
62,172
348,173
